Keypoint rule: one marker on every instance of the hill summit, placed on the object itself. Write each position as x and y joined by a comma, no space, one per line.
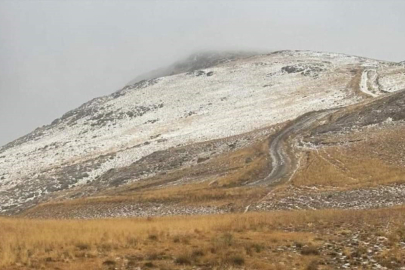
208,124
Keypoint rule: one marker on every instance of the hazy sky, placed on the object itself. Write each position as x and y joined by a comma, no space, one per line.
56,55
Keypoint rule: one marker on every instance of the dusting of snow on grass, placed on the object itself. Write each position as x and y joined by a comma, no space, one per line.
148,116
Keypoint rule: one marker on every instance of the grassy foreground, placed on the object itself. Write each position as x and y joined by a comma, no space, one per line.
277,240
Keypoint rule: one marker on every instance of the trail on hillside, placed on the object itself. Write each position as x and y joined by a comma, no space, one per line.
281,163
369,83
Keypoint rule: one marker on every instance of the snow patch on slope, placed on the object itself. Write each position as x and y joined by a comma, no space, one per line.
148,116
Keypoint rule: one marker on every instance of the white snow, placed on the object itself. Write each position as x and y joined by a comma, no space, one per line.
364,83
239,97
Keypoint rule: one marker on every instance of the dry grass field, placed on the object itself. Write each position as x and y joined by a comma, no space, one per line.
374,157
213,216
277,240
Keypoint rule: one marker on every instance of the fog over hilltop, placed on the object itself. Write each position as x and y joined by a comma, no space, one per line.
56,55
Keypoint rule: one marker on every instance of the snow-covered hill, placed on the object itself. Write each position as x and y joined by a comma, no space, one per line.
204,104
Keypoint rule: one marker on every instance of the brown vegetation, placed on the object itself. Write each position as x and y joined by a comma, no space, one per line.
278,240
369,157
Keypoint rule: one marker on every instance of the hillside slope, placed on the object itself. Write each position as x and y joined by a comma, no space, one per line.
172,131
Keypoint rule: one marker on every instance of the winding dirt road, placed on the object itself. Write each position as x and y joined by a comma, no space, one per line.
281,163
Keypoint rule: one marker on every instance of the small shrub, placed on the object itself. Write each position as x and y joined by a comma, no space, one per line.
186,241
83,246
132,264
298,244
183,259
153,237
273,240
227,238
181,239
66,254
202,159
106,247
309,250
236,260
258,247
197,253
248,250
313,265
176,239
400,233
132,241
149,264
154,256
109,263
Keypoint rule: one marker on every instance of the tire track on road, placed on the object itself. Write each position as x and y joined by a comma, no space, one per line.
281,163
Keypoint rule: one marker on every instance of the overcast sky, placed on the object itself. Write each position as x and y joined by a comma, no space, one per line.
56,55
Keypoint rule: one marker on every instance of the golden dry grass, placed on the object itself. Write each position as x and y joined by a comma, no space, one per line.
234,199
341,170
211,242
376,157
218,184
